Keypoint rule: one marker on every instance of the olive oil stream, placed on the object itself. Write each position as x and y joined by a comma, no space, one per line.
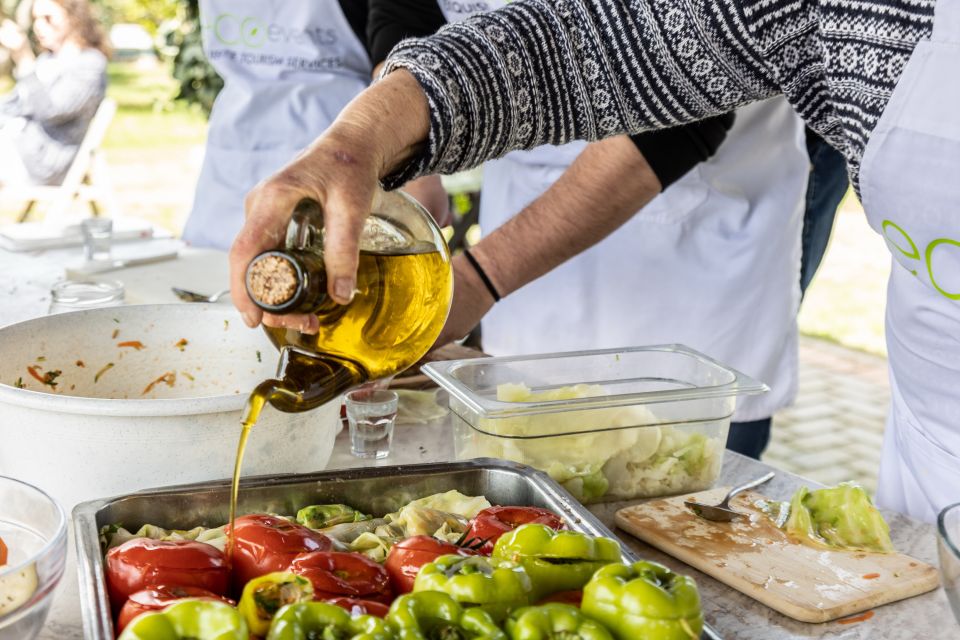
400,306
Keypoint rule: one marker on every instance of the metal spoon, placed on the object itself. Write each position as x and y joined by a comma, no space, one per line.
722,512
190,296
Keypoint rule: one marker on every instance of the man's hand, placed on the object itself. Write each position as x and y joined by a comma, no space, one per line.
373,135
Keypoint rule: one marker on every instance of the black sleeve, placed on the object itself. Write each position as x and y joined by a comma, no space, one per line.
356,14
672,152
391,21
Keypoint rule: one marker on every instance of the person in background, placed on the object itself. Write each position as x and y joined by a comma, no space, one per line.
288,68
710,260
44,118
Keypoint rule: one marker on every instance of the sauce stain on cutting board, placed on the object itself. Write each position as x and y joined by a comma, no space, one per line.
753,556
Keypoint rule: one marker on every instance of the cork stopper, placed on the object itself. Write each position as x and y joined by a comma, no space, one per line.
272,280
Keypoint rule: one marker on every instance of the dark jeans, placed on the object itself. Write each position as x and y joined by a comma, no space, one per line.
749,438
827,185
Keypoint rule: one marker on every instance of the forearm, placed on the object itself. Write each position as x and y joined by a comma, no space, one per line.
606,185
534,73
393,112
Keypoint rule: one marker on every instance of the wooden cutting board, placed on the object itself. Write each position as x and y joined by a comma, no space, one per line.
756,558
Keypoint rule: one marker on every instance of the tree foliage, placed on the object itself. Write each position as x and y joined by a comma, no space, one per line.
199,82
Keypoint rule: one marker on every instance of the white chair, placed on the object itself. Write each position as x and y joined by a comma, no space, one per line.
87,179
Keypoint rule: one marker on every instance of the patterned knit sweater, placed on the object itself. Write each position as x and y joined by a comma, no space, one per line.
550,71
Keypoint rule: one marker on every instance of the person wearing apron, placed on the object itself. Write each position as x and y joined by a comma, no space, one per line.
288,68
713,262
888,104
910,187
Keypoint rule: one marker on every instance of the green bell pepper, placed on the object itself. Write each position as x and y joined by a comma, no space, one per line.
644,600
264,596
497,586
321,516
431,615
554,621
556,560
189,620
322,621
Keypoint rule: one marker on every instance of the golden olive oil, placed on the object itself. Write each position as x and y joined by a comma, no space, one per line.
400,305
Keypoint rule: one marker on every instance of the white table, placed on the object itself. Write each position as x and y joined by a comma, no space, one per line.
26,278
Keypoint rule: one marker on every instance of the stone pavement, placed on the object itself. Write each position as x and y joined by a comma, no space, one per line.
834,430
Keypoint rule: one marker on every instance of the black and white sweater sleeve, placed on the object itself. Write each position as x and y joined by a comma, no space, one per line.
671,153
551,71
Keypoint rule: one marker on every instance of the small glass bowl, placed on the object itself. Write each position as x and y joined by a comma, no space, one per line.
948,539
74,295
34,529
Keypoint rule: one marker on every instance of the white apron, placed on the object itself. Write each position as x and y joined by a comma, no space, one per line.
910,183
289,67
713,262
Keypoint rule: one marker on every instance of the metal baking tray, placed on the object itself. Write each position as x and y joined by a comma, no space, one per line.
375,490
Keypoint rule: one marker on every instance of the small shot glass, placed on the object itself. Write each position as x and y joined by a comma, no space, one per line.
97,236
370,415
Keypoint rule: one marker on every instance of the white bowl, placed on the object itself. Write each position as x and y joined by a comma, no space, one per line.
88,438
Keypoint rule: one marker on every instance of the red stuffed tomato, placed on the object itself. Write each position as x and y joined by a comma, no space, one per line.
141,563
407,556
336,573
264,544
493,522
358,607
156,598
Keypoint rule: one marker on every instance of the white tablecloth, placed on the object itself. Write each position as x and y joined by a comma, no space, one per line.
26,278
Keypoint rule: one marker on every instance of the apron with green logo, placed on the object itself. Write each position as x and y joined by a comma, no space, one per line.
289,68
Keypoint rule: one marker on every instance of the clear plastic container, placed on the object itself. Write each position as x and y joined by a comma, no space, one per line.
614,424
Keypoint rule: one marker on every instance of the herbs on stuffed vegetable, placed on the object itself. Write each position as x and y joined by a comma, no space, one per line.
264,596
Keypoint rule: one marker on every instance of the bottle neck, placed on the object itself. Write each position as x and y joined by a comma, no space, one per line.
306,380
287,281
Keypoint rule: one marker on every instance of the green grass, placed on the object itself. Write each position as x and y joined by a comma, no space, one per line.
147,115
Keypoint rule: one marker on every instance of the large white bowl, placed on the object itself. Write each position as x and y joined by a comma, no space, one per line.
86,439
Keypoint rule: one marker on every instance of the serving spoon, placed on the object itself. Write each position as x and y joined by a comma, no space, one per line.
722,512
